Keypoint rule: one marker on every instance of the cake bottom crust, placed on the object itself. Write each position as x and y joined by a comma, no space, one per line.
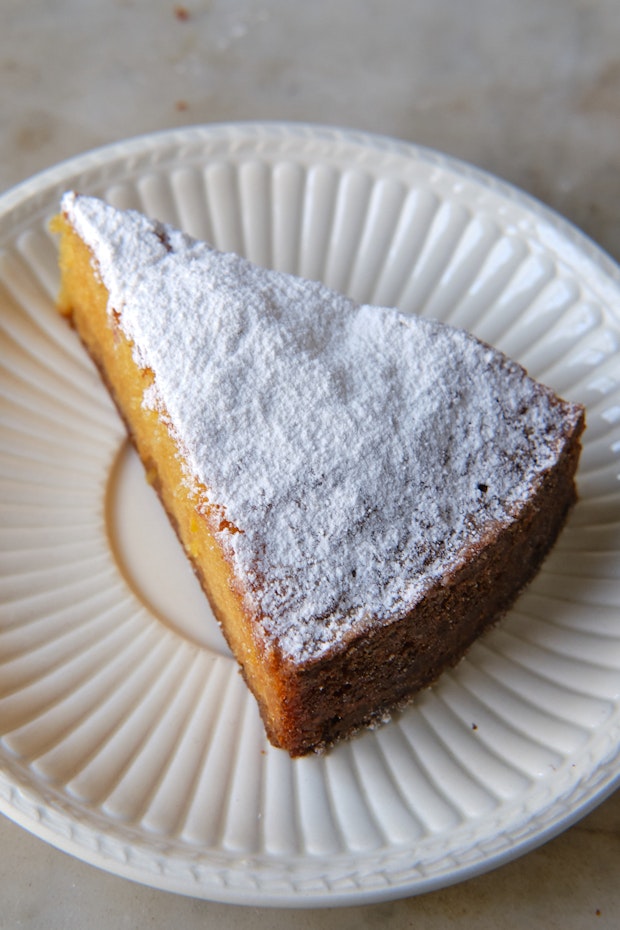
386,668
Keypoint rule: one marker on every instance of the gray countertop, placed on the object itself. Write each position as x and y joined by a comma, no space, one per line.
529,91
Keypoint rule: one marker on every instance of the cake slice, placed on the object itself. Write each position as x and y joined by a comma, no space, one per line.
361,493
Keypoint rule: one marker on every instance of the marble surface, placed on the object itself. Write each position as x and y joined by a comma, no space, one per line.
529,91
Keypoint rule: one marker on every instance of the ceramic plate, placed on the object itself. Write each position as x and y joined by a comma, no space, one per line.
127,736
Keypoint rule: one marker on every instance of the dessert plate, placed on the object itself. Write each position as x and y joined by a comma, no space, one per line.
127,737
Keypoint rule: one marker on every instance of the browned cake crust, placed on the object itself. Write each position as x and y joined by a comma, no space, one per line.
309,703
383,670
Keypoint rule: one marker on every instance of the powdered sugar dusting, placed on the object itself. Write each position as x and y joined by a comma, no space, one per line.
358,450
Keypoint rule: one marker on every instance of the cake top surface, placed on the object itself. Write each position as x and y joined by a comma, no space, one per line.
358,451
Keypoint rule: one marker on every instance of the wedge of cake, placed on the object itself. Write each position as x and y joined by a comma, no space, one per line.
361,493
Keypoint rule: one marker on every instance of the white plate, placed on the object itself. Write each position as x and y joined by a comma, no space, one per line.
128,738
